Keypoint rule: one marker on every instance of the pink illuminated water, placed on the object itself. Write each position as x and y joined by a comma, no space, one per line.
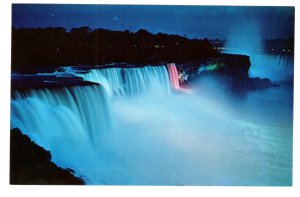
173,76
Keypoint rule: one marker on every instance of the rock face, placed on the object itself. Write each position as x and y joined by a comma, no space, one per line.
235,65
229,69
225,64
30,164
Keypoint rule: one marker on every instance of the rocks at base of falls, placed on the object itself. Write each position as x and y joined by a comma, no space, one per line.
31,164
238,84
259,83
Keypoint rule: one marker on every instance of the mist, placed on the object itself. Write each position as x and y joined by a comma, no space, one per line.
244,38
198,139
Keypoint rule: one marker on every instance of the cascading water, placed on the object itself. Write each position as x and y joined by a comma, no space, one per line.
63,120
274,67
88,103
130,81
173,76
110,78
77,118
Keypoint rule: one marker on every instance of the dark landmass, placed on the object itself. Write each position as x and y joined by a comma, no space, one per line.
231,64
24,82
30,164
37,48
230,70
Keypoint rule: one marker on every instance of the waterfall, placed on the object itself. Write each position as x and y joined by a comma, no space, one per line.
85,109
60,119
115,133
75,123
130,81
109,78
88,103
173,76
82,109
77,119
150,79
274,67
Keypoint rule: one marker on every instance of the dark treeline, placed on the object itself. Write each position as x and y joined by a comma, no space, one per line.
34,48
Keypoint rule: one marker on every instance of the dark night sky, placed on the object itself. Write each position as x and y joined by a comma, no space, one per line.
192,21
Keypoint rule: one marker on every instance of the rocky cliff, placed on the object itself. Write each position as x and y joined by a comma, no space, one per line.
30,164
230,69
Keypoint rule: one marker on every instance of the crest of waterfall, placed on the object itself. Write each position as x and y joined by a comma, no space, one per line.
109,78
131,81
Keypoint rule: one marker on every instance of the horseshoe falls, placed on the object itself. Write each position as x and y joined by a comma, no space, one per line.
131,126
